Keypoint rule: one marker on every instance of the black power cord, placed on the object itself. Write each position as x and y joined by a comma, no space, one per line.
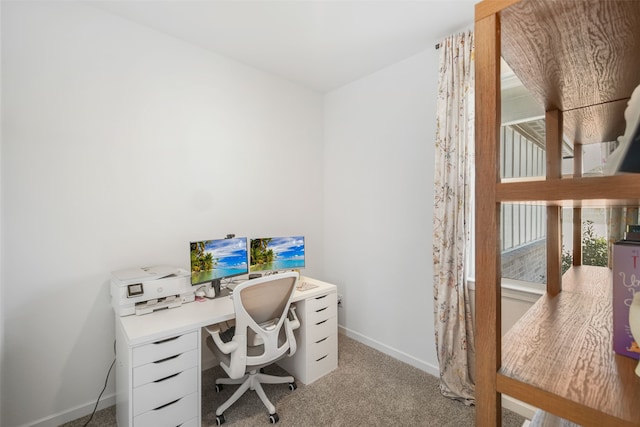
103,388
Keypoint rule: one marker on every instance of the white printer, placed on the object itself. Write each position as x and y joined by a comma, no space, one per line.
147,289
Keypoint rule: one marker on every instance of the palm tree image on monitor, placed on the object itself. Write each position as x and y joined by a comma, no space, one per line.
200,259
218,259
276,253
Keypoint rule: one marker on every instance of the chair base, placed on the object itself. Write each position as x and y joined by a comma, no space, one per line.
253,380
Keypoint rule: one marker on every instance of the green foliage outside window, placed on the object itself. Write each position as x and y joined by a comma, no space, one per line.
594,249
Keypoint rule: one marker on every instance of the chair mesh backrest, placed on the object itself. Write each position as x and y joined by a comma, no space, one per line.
267,301
262,300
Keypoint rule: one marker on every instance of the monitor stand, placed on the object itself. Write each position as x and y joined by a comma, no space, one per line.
218,290
215,285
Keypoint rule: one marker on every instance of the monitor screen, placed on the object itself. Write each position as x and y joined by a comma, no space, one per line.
218,259
276,253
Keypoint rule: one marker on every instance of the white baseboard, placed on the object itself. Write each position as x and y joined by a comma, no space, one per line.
80,411
520,408
390,351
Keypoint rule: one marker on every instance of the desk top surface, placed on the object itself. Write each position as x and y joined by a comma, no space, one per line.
169,322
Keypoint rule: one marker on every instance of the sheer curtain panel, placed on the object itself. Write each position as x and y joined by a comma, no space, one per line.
453,204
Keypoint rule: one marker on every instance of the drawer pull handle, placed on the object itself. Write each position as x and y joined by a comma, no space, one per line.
322,296
166,340
322,309
317,360
166,378
323,339
166,359
166,404
320,323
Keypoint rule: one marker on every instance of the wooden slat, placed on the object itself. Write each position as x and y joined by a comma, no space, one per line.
604,190
554,250
488,313
577,236
570,410
487,8
577,212
562,348
554,126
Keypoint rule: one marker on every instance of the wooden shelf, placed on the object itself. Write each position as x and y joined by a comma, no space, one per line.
580,60
559,356
572,54
544,43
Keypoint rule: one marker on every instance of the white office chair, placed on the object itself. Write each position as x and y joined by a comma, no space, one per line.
263,334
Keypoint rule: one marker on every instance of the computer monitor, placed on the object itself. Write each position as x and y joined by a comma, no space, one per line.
276,253
213,260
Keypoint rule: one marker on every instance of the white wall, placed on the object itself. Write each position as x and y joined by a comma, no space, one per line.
119,146
379,148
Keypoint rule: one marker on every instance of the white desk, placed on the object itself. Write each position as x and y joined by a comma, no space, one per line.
158,355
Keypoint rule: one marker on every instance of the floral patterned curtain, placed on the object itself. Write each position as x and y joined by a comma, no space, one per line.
454,187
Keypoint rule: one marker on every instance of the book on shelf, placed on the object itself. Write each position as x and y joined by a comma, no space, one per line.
625,270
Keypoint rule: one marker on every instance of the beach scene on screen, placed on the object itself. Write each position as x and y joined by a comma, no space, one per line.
276,253
216,259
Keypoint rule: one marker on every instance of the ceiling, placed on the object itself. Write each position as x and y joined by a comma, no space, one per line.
320,44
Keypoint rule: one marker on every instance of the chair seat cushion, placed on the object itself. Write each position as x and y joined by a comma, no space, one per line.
226,358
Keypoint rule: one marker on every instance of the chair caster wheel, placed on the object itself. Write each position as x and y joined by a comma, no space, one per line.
274,418
220,419
293,386
218,390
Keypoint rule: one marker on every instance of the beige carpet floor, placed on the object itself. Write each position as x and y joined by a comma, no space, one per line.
369,388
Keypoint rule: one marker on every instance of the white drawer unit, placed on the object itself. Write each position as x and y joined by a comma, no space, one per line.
158,383
317,338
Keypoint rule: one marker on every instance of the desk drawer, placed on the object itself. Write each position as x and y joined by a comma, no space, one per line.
164,348
182,412
323,301
323,347
322,365
164,367
324,313
164,391
322,329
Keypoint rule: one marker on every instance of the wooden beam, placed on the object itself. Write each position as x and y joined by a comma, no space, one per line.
614,190
487,8
487,135
553,121
577,212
